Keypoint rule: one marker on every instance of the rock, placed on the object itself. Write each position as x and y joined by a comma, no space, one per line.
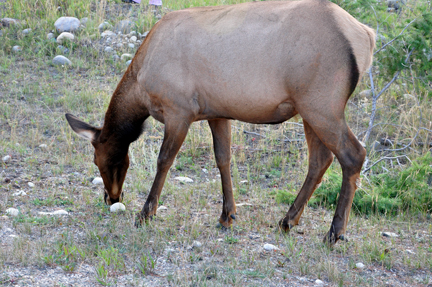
19,193
365,93
65,36
119,45
132,46
115,57
7,22
360,265
12,211
196,244
104,26
50,36
243,181
124,26
57,212
30,184
204,170
108,50
184,179
243,204
390,234
26,31
270,247
410,252
118,206
61,60
67,24
125,57
133,39
6,158
108,33
97,180
16,49
84,20
319,282
63,49
128,62
133,33
162,207
43,146
170,250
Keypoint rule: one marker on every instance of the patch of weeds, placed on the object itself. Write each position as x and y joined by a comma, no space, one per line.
231,239
146,264
52,201
109,261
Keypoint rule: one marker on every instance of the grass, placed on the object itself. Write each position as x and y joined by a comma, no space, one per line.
267,173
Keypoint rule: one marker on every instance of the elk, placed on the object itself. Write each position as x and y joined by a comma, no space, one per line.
256,62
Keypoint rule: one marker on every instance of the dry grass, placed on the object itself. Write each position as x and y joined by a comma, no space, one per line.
105,248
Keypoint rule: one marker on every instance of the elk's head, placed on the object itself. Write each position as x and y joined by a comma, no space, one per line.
111,157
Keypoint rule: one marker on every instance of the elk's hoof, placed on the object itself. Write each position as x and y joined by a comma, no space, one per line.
221,227
285,226
330,239
140,219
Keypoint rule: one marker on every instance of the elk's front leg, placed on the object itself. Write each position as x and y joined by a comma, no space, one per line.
175,133
221,131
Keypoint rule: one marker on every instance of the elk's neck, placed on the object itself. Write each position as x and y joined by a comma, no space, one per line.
126,113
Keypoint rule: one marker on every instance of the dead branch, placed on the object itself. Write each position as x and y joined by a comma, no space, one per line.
385,158
392,40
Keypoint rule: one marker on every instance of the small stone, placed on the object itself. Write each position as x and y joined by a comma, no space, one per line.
97,180
61,60
125,57
133,39
360,265
365,93
243,204
119,45
67,24
6,22
104,26
63,49
50,36
270,247
19,193
243,181
184,179
118,206
196,244
65,36
319,282
108,50
16,49
204,170
128,62
84,20
133,33
130,45
26,31
115,57
43,146
390,234
30,184
124,26
410,252
170,250
108,33
57,212
12,211
6,158
162,207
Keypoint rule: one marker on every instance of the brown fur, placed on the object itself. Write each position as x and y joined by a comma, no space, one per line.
258,62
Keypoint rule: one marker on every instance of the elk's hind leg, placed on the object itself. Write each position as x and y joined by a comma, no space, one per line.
320,158
221,131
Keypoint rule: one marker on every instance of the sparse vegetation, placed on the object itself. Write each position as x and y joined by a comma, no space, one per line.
268,168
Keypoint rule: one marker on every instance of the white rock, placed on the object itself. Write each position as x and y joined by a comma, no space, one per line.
184,179
67,24
103,26
16,49
6,158
204,170
50,36
43,146
12,211
108,33
65,36
61,60
220,240
390,234
243,181
196,244
360,265
126,57
410,251
133,39
319,282
133,33
128,62
270,247
118,206
19,193
30,184
162,207
170,250
97,180
130,45
57,212
108,50
26,31
244,204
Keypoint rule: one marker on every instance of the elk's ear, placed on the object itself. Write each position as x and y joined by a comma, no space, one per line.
83,129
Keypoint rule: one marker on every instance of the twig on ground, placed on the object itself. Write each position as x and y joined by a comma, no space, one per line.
385,158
